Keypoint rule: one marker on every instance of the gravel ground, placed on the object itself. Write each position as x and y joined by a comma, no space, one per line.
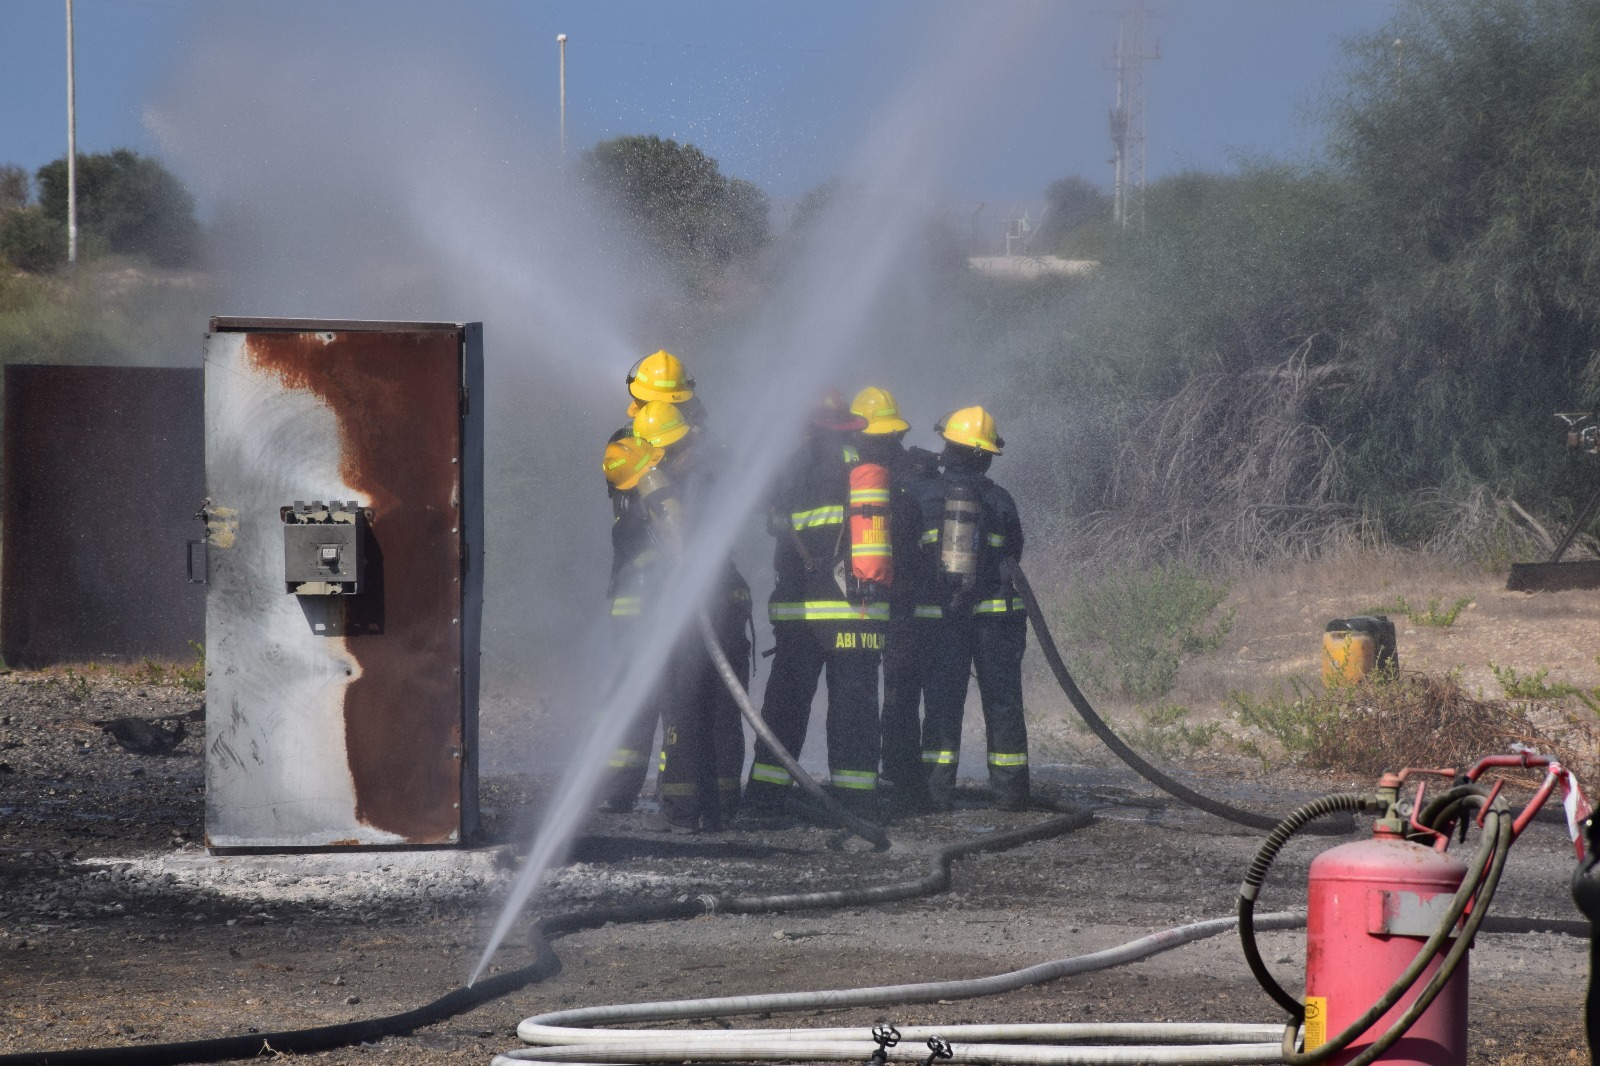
117,928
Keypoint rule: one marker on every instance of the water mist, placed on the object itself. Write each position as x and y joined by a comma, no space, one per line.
814,325
357,180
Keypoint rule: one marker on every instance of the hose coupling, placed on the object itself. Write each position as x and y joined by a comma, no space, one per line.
711,903
886,1037
938,1048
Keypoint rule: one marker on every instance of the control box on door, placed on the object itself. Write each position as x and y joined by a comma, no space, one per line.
324,548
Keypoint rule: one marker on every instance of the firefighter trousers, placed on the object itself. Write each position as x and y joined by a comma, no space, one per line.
993,647
905,666
702,746
847,653
629,762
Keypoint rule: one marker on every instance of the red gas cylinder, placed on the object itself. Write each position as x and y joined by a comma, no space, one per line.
1372,905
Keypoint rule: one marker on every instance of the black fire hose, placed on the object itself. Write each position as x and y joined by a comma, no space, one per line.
1080,703
872,834
301,1041
1477,890
460,1000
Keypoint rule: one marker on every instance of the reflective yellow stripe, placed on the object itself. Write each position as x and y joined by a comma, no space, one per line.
625,759
820,516
997,758
772,775
1019,604
931,536
871,551
996,539
727,784
869,496
939,758
677,789
625,607
827,611
862,779
661,766
851,455
927,612
991,607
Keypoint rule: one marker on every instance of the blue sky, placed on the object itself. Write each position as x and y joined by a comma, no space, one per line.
773,90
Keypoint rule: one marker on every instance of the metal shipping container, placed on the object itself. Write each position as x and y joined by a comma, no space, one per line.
102,480
344,519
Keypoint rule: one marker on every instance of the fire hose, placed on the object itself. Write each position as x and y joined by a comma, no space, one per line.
1080,703
564,1036
862,828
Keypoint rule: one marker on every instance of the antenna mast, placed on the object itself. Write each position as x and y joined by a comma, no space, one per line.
1127,118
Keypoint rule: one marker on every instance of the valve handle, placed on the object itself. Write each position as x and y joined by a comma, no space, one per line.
886,1037
938,1048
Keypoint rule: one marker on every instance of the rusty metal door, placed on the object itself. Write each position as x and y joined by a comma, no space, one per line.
102,479
343,720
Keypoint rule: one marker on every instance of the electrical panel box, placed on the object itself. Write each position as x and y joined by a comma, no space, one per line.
344,576
322,547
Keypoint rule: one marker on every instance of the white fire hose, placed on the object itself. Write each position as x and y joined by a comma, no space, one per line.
566,1036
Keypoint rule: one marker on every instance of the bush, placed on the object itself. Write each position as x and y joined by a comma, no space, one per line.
1388,722
1136,626
1164,733
32,241
1433,615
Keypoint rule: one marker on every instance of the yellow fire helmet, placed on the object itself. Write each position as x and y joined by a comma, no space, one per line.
877,406
973,427
627,460
660,377
660,424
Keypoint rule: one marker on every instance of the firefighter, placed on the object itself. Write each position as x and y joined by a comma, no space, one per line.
824,617
702,750
635,565
904,654
658,376
969,525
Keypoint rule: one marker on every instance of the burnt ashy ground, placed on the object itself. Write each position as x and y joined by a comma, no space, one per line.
116,928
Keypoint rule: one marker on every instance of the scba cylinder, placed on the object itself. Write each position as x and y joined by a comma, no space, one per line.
1372,905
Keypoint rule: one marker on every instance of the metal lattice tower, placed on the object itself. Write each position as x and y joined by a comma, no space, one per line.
1127,118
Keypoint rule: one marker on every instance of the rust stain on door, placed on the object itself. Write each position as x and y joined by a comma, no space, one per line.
396,396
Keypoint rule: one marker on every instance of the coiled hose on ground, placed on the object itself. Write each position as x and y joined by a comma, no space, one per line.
1080,703
563,1036
1477,891
460,1000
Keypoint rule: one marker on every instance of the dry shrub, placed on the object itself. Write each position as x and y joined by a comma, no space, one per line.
1387,723
1476,524
1233,467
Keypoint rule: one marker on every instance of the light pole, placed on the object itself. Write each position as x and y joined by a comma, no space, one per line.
561,42
72,152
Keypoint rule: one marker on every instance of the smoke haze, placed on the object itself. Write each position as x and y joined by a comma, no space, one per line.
356,174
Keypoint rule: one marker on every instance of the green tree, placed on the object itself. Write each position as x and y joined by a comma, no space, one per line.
129,204
1073,203
13,188
1467,130
32,242
678,197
